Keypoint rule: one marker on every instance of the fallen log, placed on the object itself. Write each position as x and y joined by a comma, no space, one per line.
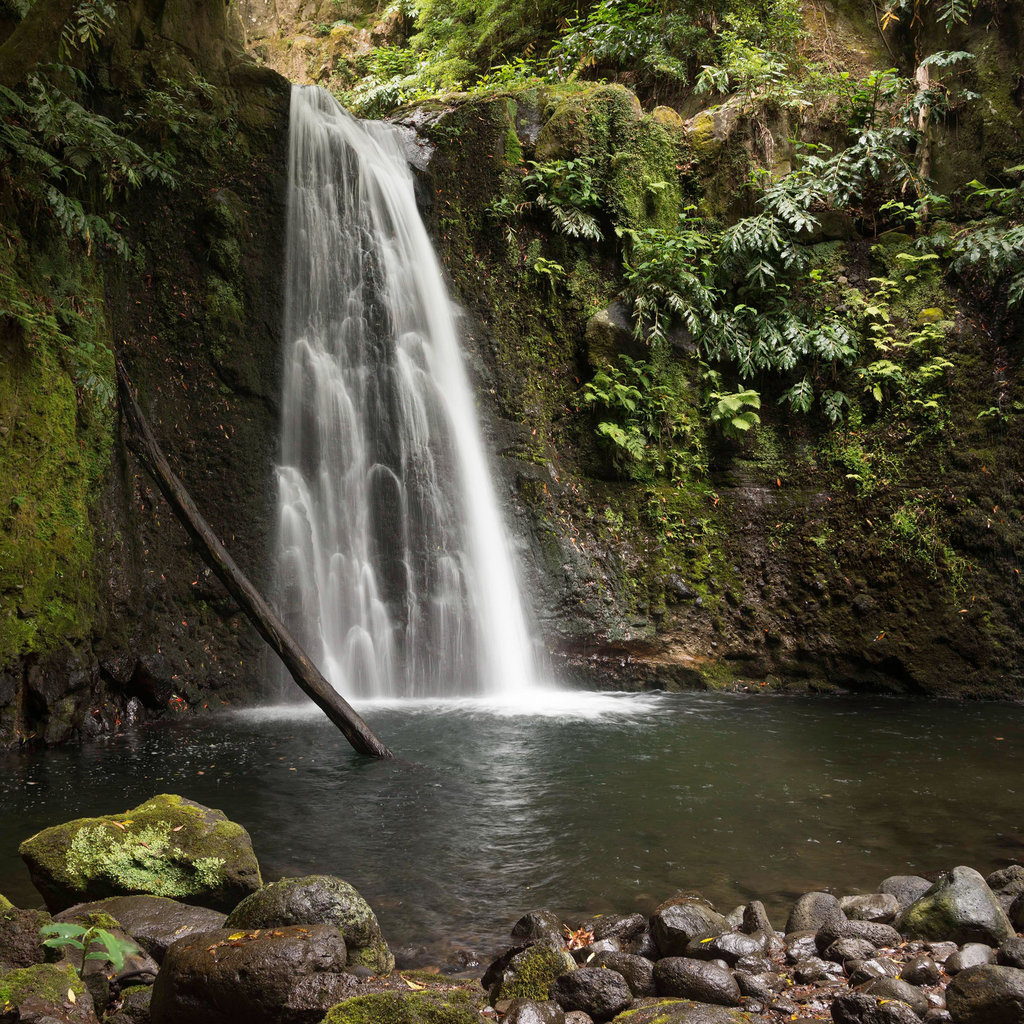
259,612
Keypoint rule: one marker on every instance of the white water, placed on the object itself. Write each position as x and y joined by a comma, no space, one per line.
394,570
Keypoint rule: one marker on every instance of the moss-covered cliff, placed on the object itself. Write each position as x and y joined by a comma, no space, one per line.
180,276
880,552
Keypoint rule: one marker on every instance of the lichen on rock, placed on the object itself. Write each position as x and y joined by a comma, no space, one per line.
168,846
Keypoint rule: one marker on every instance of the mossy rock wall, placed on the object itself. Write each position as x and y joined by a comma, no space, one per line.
773,565
100,597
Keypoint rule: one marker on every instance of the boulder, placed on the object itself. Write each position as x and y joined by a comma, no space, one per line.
812,911
624,927
403,1008
906,888
672,927
987,995
921,970
168,846
597,991
288,975
20,943
959,906
861,1008
695,979
637,970
973,954
154,922
877,906
46,992
529,973
877,934
901,991
319,899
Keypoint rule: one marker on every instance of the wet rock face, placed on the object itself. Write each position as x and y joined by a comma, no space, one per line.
289,975
154,922
960,906
319,899
168,846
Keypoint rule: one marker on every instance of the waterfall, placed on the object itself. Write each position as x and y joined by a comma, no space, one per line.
394,570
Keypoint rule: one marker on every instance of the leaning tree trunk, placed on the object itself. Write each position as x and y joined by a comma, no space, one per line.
249,599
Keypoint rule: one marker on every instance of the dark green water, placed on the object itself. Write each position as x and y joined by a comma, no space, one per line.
612,807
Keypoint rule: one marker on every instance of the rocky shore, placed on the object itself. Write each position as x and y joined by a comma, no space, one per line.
177,887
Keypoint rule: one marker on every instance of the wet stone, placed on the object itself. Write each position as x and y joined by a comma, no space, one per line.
675,925
730,947
879,935
921,970
972,954
637,970
906,888
695,979
1011,953
842,951
893,988
869,970
987,994
879,906
755,919
600,992
800,946
861,1008
617,926
812,911
753,965
814,969
942,951
537,926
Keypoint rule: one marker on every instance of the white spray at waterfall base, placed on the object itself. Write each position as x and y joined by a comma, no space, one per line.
393,566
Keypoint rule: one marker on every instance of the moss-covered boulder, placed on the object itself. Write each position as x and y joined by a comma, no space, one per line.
412,1008
319,899
168,846
959,907
529,974
46,991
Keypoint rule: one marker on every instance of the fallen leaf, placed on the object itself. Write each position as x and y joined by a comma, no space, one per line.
72,998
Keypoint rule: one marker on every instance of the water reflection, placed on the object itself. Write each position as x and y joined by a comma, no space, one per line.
606,802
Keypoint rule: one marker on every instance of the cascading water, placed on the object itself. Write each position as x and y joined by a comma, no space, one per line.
393,566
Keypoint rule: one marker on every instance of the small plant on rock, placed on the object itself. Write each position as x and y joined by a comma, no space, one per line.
94,942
